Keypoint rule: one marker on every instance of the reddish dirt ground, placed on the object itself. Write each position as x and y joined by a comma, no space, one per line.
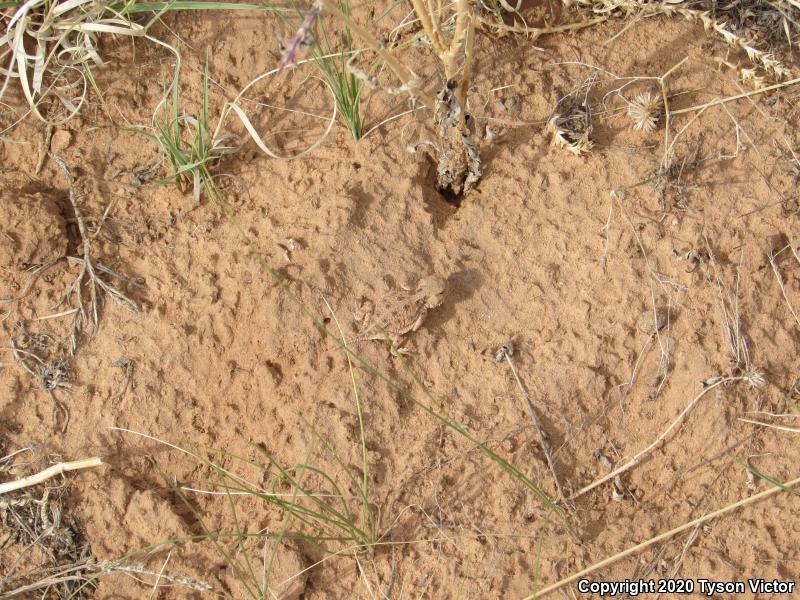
541,254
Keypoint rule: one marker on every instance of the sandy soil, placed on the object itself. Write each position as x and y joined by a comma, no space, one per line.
541,254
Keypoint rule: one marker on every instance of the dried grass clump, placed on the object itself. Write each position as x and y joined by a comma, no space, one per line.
761,28
49,47
54,558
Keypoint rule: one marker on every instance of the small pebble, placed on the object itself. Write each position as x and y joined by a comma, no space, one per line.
60,141
646,321
512,104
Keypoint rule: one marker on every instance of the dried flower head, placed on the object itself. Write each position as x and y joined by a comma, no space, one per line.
300,37
754,378
645,111
571,129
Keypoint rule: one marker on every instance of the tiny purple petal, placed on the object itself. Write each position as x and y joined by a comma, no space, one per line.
298,38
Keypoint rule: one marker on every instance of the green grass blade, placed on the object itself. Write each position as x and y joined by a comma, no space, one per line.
772,480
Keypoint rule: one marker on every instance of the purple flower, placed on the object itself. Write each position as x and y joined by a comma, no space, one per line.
298,38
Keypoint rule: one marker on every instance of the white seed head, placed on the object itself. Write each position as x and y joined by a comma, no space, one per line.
645,111
754,378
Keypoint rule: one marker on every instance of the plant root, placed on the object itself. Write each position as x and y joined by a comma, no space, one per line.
89,275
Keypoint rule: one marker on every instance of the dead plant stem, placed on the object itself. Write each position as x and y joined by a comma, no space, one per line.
638,458
537,425
49,473
663,536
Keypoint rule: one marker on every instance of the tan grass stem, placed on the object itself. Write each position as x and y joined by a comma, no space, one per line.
49,473
641,455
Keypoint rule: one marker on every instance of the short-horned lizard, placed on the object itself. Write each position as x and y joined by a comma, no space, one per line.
401,312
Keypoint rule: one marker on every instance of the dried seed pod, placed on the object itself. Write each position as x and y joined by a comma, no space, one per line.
571,128
645,111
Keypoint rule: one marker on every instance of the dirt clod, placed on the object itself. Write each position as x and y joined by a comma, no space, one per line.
650,322
32,230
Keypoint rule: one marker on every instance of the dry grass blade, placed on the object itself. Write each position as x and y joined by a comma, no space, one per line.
770,425
773,261
733,326
61,577
63,37
640,456
506,352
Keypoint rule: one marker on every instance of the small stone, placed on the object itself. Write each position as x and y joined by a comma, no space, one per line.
60,141
649,322
512,104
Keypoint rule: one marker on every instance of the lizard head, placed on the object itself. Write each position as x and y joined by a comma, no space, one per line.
431,289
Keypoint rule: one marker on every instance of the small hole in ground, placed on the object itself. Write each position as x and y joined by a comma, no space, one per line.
450,197
439,203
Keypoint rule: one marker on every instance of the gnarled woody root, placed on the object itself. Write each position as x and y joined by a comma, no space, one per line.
459,164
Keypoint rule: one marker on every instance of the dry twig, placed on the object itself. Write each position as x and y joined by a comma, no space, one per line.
505,352
639,457
49,473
